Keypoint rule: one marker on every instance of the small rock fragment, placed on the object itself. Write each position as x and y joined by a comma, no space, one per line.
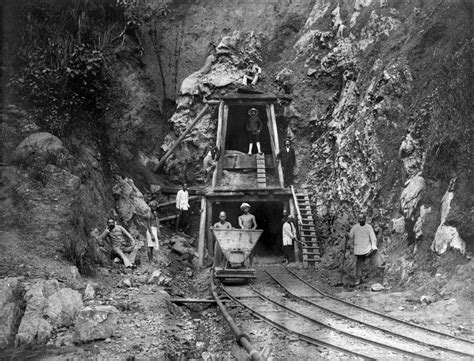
376,287
126,282
89,292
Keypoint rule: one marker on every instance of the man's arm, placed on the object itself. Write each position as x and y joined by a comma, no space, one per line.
260,125
293,156
128,235
178,200
373,238
102,236
241,222
254,222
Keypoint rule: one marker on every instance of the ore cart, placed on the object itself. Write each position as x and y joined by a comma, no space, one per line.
236,245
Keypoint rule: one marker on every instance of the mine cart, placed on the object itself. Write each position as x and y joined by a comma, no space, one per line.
236,245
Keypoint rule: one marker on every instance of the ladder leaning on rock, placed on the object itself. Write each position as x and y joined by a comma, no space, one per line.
307,228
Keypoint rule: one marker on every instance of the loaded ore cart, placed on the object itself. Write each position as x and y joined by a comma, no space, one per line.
236,246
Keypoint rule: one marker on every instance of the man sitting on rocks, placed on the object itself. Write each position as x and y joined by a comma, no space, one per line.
116,236
252,73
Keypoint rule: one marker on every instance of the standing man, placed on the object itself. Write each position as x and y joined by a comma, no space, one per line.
182,205
365,243
115,236
254,127
247,221
153,231
289,235
222,224
288,161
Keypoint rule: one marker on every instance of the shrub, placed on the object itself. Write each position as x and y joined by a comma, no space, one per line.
83,253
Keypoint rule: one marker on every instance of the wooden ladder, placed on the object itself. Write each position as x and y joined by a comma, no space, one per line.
261,174
307,228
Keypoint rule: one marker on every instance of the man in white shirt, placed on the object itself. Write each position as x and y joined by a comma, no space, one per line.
289,234
182,205
365,243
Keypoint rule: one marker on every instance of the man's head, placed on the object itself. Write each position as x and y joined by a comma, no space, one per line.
185,186
253,112
287,142
245,207
361,218
289,219
222,216
110,223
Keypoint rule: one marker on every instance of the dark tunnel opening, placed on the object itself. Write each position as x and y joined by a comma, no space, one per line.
236,135
269,218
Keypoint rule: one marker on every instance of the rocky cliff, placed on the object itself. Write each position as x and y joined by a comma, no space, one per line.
379,110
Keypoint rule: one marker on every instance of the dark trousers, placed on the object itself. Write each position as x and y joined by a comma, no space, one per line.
288,252
288,175
361,260
183,220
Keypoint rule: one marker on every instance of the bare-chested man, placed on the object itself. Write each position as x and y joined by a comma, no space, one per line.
247,221
222,224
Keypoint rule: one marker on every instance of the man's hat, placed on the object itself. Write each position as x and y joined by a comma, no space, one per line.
253,110
245,205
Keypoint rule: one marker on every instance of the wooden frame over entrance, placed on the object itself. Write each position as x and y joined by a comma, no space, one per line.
240,161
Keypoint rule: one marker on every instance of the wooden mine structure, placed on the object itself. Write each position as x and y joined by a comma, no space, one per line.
255,179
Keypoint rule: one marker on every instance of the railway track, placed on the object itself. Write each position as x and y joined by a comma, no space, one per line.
320,319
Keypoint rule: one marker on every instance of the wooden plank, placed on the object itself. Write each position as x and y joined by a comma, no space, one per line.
220,164
277,143
202,231
172,203
191,300
210,236
243,161
169,218
218,142
295,244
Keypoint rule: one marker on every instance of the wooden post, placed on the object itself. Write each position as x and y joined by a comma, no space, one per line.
295,244
218,142
277,144
181,137
202,231
272,135
210,236
221,135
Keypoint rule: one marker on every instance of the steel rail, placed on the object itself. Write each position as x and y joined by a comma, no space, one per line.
242,338
310,340
392,333
426,329
359,338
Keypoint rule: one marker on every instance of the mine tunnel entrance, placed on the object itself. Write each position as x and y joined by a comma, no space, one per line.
268,216
236,135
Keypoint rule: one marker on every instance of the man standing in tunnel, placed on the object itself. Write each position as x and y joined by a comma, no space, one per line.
289,235
247,221
254,127
288,161
365,243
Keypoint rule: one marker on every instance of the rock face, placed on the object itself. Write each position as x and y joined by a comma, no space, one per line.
446,235
129,201
11,300
47,306
95,323
38,144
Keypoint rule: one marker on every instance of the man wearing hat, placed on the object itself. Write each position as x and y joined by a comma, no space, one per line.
254,127
289,234
288,161
247,221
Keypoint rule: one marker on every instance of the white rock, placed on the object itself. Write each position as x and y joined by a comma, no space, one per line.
95,323
89,292
75,275
11,297
411,195
398,225
376,287
63,307
126,282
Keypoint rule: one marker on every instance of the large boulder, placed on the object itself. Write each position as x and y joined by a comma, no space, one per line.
446,235
41,144
411,196
63,307
11,298
34,329
95,323
129,201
